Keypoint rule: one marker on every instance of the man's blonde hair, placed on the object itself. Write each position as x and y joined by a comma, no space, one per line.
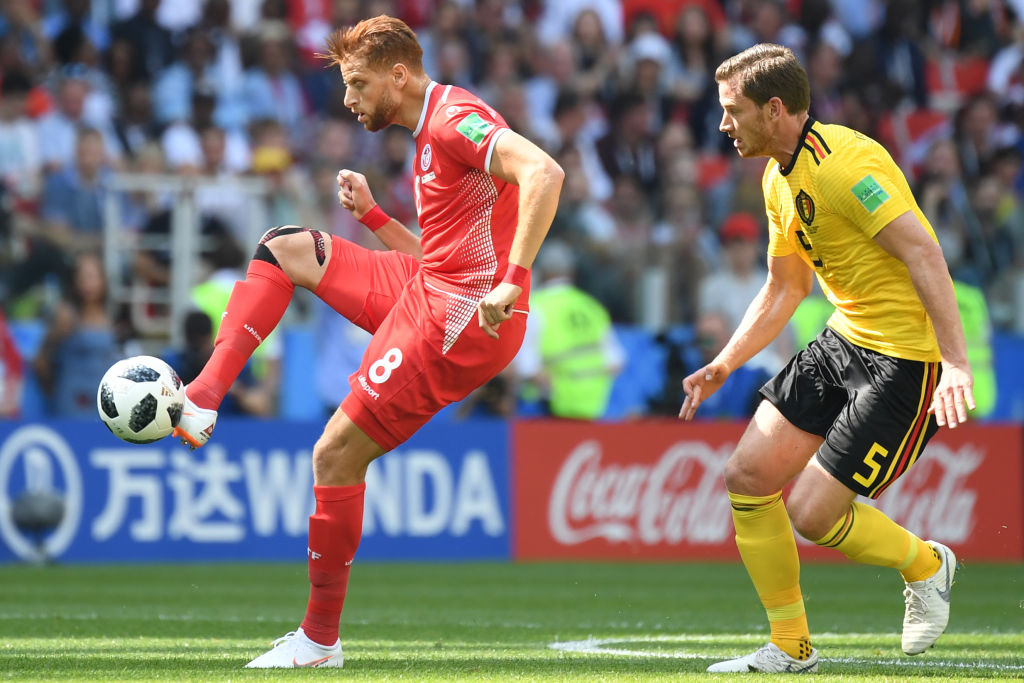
382,42
766,71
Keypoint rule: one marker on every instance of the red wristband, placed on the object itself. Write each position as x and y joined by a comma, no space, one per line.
374,218
516,275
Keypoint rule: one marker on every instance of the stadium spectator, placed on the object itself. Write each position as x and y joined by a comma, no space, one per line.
570,355
980,134
72,200
12,372
558,17
21,34
628,149
59,128
596,57
195,69
80,343
730,288
685,249
697,45
684,354
152,47
182,140
945,200
133,126
75,15
271,89
20,161
576,126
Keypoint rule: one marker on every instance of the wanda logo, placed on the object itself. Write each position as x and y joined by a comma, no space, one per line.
681,498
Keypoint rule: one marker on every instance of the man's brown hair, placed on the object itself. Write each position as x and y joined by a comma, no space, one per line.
382,42
766,71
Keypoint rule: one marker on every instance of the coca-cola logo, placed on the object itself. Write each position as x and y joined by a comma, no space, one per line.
679,498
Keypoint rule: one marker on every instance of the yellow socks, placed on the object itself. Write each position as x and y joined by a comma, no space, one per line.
766,544
867,536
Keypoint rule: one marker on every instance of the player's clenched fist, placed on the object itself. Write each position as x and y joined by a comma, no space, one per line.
496,307
354,193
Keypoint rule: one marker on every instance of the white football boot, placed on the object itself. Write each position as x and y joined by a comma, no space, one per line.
927,610
768,660
295,650
196,424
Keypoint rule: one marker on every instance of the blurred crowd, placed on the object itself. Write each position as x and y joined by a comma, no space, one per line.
665,223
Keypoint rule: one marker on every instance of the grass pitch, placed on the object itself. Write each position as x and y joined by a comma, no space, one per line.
482,621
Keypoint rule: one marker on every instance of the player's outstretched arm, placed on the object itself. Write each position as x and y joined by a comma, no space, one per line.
789,281
518,161
906,239
354,195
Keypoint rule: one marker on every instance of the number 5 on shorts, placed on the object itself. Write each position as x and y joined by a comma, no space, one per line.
381,369
869,460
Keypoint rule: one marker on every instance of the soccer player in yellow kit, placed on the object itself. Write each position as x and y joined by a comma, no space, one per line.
853,411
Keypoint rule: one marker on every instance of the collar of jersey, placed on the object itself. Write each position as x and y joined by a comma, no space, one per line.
426,106
800,143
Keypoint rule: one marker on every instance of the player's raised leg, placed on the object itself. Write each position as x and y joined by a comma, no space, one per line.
770,453
866,535
340,459
285,257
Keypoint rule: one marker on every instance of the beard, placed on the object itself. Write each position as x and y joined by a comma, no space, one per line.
755,140
383,114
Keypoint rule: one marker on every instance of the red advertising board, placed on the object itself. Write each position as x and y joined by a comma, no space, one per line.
653,490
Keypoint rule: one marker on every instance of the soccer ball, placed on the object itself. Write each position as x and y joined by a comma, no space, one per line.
140,399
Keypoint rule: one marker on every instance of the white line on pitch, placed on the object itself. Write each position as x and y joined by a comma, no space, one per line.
598,646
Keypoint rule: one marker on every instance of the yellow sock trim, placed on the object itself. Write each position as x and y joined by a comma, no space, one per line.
782,598
793,610
744,503
911,553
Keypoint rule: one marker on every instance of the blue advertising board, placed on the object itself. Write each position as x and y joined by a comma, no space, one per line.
247,495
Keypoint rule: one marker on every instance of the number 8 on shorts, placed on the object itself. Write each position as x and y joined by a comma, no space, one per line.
381,370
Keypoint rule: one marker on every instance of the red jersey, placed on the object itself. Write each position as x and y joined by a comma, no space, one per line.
467,217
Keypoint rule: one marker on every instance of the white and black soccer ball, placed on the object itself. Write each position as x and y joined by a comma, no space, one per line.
140,399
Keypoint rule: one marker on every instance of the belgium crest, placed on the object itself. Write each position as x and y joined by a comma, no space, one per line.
805,207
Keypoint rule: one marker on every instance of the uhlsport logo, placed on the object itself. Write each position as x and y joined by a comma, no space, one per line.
36,460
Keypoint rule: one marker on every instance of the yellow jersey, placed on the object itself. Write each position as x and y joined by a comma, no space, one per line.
837,192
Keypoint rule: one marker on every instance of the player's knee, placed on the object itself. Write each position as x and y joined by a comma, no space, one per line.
273,245
808,521
739,478
299,252
331,467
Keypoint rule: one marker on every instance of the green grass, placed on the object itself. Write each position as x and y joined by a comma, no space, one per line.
486,621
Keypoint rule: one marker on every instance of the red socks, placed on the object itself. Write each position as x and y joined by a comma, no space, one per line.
334,533
255,307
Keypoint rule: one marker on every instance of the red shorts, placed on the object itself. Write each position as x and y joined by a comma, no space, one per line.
407,374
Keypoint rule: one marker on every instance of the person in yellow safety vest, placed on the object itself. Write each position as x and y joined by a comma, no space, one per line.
978,335
570,353
810,317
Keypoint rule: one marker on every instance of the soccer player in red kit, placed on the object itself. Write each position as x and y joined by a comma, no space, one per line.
485,197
